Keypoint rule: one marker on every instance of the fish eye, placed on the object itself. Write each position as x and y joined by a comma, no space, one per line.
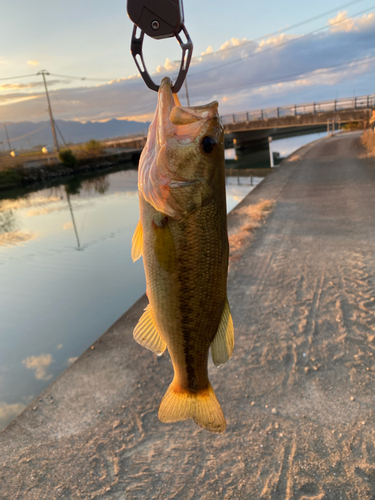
208,143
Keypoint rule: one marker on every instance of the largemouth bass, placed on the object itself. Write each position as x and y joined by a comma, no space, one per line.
182,235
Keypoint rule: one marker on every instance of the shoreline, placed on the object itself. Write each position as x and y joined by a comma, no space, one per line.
297,394
19,176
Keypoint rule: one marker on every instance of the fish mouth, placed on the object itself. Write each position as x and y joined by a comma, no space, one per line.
166,102
182,122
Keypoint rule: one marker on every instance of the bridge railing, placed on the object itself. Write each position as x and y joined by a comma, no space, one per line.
349,103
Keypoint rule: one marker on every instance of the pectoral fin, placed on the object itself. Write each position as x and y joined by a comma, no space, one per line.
137,242
223,343
146,334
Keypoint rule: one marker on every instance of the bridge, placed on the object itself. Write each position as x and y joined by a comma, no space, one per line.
251,129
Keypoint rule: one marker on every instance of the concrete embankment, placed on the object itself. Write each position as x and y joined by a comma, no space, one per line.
31,173
298,393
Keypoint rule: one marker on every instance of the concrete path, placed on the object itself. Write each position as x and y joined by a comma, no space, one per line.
298,394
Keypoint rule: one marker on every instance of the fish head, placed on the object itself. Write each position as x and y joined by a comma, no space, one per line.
183,156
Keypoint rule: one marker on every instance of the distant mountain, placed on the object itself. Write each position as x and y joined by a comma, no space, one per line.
25,135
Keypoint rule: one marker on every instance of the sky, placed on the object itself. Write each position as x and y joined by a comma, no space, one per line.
247,55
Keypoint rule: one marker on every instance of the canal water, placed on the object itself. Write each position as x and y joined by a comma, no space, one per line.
66,275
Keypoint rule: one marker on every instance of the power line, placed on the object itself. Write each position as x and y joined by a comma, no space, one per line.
82,78
60,76
30,133
314,18
276,46
233,47
291,77
297,25
16,77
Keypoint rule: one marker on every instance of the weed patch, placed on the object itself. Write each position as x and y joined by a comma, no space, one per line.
368,140
253,217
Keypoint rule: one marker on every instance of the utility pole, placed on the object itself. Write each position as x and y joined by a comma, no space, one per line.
6,133
43,72
271,153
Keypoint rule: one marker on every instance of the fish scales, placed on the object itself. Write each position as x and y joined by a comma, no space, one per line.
191,299
182,235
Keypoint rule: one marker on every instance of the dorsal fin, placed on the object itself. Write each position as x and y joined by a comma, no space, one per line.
223,343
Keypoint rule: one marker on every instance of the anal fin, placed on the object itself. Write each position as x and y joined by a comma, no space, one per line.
223,343
137,242
146,334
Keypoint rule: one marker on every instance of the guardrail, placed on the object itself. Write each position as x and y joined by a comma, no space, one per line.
350,103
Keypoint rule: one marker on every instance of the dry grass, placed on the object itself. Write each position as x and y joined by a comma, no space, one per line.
257,212
368,140
294,158
253,217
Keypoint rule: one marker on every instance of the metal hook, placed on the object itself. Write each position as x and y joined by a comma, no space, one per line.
187,51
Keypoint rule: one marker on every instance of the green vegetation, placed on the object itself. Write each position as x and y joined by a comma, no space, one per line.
67,158
368,140
94,148
353,126
10,177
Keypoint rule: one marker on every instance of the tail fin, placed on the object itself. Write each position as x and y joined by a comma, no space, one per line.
202,407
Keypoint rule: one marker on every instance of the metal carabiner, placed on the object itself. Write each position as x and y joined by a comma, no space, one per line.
159,19
136,50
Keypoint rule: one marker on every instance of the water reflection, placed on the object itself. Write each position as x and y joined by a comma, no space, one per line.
9,235
9,411
73,219
7,221
260,158
54,301
40,365
57,301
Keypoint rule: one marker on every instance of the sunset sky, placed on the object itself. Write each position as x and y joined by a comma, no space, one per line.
328,57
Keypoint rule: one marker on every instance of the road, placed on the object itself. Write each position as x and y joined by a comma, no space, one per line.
298,393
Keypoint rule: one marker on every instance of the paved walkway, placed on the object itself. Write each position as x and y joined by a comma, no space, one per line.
298,394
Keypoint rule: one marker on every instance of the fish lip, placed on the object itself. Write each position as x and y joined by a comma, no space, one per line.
166,103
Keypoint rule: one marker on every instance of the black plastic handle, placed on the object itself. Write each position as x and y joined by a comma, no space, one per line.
157,18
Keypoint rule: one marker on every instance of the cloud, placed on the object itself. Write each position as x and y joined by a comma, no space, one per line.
209,50
274,41
8,412
241,75
71,360
170,66
342,22
44,211
36,205
60,346
68,225
27,202
39,364
233,42
16,238
33,63
23,86
17,95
